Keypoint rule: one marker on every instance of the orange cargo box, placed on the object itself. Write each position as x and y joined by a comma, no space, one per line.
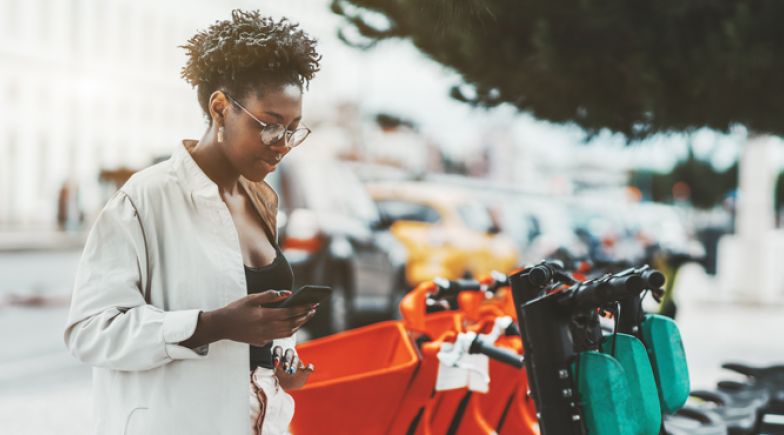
361,378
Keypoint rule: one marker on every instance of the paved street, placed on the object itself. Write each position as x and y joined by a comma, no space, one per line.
46,272
44,390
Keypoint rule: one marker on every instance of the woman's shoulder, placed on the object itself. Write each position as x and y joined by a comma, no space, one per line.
153,181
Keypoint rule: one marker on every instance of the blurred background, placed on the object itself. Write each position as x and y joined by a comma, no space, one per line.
424,162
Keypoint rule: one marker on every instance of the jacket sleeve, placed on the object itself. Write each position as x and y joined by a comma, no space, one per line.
109,323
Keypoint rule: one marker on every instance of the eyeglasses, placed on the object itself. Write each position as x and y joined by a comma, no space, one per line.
273,133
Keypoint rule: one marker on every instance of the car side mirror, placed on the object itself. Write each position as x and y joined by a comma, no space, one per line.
381,224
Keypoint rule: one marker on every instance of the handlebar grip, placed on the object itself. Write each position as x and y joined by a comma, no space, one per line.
467,285
452,287
539,275
653,278
500,354
593,294
626,284
499,280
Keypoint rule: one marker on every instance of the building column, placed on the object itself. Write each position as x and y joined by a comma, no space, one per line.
748,269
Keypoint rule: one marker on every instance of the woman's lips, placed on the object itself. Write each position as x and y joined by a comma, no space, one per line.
270,160
268,157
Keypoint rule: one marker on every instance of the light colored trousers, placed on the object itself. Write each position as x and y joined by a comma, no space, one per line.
271,408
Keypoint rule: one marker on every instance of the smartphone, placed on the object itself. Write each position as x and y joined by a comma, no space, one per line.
306,295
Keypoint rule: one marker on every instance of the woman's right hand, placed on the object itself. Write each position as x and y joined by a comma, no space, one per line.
247,321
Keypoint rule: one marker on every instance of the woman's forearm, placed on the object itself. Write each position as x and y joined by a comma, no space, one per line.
208,330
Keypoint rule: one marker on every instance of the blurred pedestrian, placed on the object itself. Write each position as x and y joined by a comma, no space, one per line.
176,271
69,212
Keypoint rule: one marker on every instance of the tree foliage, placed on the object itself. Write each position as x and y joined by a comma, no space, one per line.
633,67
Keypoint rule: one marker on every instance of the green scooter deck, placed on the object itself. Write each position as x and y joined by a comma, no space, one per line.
604,395
631,354
668,359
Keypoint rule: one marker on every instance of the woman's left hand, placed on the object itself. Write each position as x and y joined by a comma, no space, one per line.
291,373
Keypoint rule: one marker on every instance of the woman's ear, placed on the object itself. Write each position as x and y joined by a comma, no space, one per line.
219,105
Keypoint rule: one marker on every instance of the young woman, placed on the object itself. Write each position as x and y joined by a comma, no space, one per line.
176,271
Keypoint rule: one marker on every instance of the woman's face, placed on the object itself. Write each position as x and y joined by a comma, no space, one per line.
242,142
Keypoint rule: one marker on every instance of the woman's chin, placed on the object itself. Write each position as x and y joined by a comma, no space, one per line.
260,171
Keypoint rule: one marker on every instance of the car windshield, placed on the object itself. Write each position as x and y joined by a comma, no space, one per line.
476,217
608,219
395,210
548,217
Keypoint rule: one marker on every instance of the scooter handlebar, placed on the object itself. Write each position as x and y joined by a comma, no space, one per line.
445,287
500,354
653,279
547,271
540,275
593,294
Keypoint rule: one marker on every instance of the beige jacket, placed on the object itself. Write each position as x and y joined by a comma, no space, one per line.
163,248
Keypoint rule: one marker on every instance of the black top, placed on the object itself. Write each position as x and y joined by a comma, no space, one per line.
275,276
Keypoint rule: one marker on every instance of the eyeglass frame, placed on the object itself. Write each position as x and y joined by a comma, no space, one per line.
287,134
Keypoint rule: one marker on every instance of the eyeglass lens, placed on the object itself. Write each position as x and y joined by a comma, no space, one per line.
298,136
273,133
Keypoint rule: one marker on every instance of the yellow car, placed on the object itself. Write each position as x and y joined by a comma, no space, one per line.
446,233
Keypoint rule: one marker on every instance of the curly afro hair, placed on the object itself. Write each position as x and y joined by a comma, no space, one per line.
249,53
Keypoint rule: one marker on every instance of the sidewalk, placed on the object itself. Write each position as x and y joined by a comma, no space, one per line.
43,389
716,331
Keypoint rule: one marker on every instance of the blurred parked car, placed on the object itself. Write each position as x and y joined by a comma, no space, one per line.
662,226
610,229
538,224
446,233
331,233
541,227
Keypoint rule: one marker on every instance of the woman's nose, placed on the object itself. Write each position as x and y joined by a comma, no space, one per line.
280,147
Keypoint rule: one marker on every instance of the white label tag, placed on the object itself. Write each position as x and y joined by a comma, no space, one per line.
479,375
465,371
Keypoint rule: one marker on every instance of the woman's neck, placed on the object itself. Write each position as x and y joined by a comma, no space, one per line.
212,160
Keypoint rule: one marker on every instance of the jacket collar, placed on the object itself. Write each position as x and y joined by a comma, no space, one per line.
195,181
190,174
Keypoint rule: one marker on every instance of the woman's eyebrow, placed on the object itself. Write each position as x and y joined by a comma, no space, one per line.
276,115
280,118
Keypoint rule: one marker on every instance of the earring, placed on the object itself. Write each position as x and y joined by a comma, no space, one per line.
220,134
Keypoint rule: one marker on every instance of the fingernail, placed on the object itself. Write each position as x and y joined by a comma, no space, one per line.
283,292
314,306
276,362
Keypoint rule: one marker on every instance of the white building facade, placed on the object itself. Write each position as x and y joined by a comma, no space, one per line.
89,85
